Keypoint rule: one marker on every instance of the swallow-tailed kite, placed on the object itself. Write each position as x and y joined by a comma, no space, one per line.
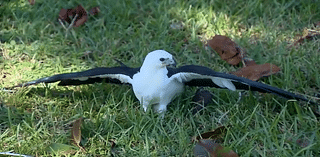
157,83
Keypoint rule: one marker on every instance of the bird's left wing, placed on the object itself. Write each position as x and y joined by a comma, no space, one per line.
193,75
118,75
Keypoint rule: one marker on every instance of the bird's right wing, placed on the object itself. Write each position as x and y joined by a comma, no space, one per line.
193,75
118,75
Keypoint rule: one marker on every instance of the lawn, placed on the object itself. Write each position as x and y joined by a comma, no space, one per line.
33,44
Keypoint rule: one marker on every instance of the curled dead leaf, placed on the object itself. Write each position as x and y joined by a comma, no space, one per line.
255,72
79,13
248,61
82,16
76,133
308,34
215,134
208,148
65,14
227,49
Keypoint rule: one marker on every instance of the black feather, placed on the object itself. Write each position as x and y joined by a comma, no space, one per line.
75,78
240,83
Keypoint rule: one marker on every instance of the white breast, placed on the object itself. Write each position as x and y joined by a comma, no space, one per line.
155,88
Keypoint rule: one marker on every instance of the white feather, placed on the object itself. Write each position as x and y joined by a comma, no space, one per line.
224,83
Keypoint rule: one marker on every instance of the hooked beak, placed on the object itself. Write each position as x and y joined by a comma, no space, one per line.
169,63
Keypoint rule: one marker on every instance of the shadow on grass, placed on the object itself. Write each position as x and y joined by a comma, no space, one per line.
10,116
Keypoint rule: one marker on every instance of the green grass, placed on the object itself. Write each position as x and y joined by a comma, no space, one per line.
34,45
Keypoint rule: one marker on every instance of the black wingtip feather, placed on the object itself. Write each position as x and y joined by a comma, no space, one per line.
85,77
51,79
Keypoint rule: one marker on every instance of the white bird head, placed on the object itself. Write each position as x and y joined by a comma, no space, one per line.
158,59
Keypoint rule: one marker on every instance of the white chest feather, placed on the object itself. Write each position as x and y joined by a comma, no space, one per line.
149,86
155,88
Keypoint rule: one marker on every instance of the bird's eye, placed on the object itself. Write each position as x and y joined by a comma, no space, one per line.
161,59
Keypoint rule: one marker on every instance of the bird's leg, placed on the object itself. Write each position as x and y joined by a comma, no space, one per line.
160,108
144,104
145,107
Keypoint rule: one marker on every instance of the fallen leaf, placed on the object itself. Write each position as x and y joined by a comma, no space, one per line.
308,34
82,16
202,98
248,61
233,54
208,148
215,134
65,14
94,10
76,133
255,72
79,13
227,49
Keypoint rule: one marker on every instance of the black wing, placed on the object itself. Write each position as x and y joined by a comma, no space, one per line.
118,75
193,75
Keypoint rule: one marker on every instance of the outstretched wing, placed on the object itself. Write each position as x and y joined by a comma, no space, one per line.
118,75
193,75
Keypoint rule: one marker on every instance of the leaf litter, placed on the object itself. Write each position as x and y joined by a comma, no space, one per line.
77,16
208,144
233,54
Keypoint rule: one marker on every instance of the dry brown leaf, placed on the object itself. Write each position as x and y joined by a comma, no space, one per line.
82,16
208,148
215,134
255,72
227,49
248,61
65,14
202,98
79,13
76,133
308,34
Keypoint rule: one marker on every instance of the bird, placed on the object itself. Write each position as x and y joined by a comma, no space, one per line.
158,81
